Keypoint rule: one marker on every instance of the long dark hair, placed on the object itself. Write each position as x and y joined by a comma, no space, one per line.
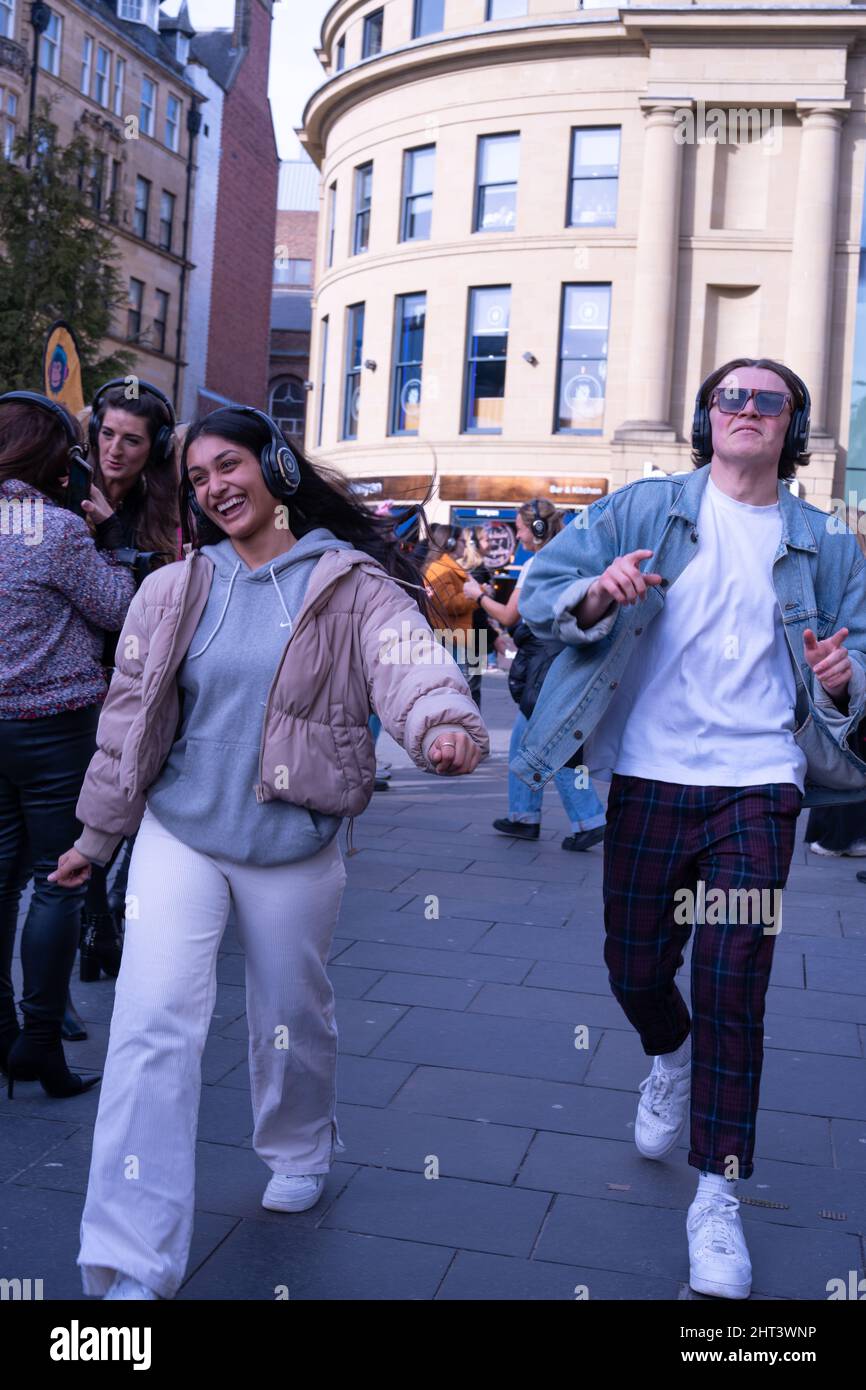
788,463
34,447
151,502
324,498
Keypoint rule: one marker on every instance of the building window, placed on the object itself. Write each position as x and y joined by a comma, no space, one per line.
136,300
496,198
7,19
142,207
323,367
172,123
352,385
428,17
372,42
103,68
86,65
363,200
582,359
408,363
160,320
114,195
289,271
148,106
418,167
141,11
341,53
166,220
505,9
96,191
8,122
489,311
332,224
288,403
49,45
119,74
594,176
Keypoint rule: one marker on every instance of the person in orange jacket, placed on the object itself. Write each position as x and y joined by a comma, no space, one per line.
445,576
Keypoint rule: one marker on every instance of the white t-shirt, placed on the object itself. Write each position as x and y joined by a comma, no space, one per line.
524,570
708,696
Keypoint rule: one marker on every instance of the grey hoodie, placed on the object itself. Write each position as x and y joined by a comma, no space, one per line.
205,792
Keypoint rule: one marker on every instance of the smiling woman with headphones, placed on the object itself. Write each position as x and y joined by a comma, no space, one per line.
236,734
56,593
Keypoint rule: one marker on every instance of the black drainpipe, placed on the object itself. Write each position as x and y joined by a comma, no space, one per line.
193,125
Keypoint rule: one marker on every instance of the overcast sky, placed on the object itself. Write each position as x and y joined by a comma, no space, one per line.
295,70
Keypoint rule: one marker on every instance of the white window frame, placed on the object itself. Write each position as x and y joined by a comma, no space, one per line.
173,102
147,128
86,65
50,44
102,78
7,19
119,75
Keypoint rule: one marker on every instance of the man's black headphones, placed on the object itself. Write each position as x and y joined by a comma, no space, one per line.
539,523
280,468
160,451
796,437
453,540
77,449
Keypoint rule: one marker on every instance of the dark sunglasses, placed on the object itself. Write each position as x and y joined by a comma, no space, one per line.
731,402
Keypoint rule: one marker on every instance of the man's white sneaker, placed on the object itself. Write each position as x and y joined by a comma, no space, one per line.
719,1261
293,1193
662,1110
125,1287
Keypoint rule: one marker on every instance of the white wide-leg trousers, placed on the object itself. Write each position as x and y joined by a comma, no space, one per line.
138,1213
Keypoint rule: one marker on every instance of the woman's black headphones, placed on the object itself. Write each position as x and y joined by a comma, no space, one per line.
280,468
161,449
453,540
539,523
77,449
796,437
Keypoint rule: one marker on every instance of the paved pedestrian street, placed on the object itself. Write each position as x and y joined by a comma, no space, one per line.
489,1154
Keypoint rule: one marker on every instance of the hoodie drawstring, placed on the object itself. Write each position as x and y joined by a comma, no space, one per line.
203,649
350,849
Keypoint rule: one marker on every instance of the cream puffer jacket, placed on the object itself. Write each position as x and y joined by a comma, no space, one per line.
359,643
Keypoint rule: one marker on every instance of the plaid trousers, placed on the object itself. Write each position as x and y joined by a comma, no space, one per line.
661,838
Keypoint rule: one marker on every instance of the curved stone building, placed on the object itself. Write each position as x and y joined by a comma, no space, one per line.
541,225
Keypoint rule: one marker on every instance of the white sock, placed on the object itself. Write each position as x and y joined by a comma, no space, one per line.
715,1182
672,1061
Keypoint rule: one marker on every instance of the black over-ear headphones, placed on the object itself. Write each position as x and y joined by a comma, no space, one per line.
453,538
160,451
77,450
280,468
796,436
539,523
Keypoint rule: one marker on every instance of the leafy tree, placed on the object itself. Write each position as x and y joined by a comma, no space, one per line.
57,260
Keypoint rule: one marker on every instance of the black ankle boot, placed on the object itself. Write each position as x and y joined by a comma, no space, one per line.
101,946
72,1029
37,1055
10,1030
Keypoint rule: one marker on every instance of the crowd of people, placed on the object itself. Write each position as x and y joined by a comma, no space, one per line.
191,688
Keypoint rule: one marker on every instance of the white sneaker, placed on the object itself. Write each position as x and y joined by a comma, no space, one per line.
293,1193
662,1110
818,848
857,850
719,1261
125,1287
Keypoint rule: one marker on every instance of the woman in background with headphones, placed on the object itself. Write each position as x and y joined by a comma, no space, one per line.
236,733
56,592
538,522
132,449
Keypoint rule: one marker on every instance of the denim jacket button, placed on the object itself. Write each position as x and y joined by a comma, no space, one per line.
578,733
638,631
614,684
536,776
664,584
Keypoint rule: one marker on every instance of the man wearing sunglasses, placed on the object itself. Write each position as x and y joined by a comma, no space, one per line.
715,672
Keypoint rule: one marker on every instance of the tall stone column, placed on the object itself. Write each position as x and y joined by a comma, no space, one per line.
810,292
655,283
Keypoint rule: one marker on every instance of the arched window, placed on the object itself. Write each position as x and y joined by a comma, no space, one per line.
288,406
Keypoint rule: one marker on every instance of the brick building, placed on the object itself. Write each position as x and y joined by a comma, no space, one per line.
294,255
110,74
234,212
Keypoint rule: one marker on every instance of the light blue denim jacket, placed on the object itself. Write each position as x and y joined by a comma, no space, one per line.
819,574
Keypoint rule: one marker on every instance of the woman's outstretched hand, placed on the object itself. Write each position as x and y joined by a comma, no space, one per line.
453,753
72,870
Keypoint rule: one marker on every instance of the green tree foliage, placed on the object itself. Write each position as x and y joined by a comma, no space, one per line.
57,260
